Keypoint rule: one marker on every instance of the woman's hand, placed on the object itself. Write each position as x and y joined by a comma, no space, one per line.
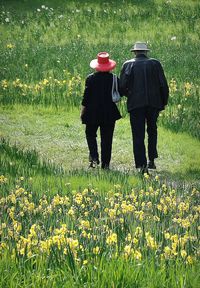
82,111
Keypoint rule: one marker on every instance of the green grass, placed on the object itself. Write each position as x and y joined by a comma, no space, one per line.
44,57
60,137
53,49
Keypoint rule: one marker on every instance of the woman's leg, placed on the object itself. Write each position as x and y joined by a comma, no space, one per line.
91,135
106,131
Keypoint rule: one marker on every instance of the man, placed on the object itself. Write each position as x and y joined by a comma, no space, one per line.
143,81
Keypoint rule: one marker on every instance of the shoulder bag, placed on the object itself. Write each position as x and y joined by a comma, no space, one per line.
115,93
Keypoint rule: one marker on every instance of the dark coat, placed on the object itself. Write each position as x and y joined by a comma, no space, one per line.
97,99
143,81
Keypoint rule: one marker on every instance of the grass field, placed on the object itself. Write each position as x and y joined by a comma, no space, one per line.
62,225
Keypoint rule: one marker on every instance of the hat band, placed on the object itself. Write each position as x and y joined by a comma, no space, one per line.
102,60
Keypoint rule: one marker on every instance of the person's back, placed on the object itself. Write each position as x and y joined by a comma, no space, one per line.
98,99
99,111
143,81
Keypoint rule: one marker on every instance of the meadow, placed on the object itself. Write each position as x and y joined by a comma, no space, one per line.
62,225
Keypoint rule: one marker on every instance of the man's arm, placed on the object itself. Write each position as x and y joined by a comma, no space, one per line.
163,85
123,82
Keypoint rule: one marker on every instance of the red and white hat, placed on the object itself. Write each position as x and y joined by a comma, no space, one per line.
103,63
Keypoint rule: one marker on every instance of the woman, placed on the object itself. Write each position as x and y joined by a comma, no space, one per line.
98,110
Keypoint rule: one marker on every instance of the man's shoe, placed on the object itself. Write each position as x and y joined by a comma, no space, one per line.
105,167
151,165
143,170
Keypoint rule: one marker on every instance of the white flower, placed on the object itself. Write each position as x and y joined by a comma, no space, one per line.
7,20
38,10
173,38
77,10
46,8
43,6
60,16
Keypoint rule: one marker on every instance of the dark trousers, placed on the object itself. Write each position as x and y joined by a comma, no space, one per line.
106,133
138,118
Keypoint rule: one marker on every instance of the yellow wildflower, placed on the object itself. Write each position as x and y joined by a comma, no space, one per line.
85,224
172,86
151,242
3,225
183,253
167,235
111,239
137,255
96,250
112,213
10,46
189,260
71,212
138,231
167,252
146,176
127,250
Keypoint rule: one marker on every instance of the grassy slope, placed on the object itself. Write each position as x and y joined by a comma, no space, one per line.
59,136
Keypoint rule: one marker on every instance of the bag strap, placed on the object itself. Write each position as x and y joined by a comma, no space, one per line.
114,84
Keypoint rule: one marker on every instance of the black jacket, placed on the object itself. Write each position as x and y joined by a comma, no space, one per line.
97,99
143,81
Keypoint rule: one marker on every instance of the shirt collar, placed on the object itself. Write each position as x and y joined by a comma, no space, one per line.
141,56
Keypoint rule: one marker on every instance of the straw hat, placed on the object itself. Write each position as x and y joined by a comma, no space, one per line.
103,63
140,46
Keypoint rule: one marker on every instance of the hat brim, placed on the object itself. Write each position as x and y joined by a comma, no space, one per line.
132,50
103,67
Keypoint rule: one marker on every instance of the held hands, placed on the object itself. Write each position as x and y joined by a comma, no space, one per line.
82,112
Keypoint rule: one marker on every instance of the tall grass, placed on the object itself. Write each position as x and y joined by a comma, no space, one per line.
77,237
47,46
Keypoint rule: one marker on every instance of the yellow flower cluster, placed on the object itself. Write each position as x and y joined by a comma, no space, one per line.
10,46
71,84
172,86
111,239
188,88
151,221
3,179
